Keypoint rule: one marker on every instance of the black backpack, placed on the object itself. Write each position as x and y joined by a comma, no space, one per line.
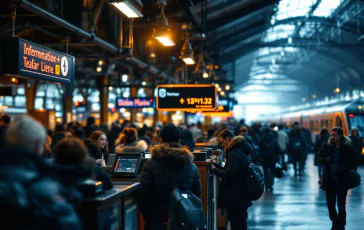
255,182
185,208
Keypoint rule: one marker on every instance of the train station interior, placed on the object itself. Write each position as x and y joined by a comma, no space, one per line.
117,79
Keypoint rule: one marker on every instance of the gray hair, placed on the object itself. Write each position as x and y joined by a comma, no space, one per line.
27,132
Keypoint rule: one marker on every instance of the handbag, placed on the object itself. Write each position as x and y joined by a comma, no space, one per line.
353,179
278,171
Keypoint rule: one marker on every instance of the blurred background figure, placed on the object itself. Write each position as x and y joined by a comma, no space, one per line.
4,125
323,137
130,142
187,140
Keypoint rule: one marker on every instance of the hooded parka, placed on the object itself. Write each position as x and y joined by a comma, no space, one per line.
234,175
155,189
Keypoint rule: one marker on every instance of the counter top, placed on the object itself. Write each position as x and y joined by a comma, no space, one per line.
117,192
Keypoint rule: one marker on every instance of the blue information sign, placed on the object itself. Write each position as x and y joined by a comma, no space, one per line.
27,59
122,102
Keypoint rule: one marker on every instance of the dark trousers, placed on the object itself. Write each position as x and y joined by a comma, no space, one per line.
269,175
238,218
154,225
298,163
336,195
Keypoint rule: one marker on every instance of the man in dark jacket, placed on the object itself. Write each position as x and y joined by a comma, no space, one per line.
234,178
270,153
4,125
339,158
31,198
90,127
155,189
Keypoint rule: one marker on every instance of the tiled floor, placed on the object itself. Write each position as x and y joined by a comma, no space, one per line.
298,203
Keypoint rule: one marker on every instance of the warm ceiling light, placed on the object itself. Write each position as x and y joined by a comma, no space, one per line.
162,30
124,78
217,86
222,93
131,8
101,62
187,53
219,89
98,69
110,88
166,41
144,83
13,79
189,61
205,75
227,87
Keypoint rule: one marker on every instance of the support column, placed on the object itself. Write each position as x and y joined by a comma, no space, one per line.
207,120
102,85
30,89
133,93
67,103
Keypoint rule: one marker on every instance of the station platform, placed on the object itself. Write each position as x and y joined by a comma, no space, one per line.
298,203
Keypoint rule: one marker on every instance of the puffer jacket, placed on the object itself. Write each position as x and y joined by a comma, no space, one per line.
155,189
346,161
29,194
137,147
234,175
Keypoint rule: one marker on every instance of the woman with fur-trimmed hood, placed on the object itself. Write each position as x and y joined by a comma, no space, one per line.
155,189
129,144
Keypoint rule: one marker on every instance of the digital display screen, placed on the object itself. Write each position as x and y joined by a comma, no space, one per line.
134,102
31,60
186,97
126,165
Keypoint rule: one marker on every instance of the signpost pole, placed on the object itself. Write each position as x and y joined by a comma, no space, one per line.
102,85
30,92
133,93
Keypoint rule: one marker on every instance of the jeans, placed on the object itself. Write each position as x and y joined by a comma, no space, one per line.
238,218
336,195
269,175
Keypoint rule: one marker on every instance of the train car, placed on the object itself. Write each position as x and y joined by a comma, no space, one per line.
347,115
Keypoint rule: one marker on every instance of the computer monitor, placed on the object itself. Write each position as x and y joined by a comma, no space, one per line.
111,159
127,165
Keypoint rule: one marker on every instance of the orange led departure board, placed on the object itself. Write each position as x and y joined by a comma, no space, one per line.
186,97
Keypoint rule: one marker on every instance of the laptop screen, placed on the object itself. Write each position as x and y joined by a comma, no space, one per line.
127,165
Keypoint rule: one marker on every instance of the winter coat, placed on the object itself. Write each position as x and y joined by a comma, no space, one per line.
269,149
136,147
345,162
155,189
146,139
29,194
293,149
320,141
234,175
357,143
88,129
190,144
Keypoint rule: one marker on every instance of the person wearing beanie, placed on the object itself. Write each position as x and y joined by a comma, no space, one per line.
167,157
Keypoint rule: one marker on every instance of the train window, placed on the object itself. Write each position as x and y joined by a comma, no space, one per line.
357,122
316,126
322,123
312,125
326,124
339,122
329,124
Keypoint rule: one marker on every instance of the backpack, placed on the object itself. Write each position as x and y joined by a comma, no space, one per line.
297,145
185,208
255,182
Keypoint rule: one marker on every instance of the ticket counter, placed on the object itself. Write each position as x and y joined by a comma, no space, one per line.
114,209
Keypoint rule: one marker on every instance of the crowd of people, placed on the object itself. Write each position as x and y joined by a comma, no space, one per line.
39,165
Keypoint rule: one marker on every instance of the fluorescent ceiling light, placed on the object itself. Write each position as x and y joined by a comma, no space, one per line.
166,41
189,61
128,8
